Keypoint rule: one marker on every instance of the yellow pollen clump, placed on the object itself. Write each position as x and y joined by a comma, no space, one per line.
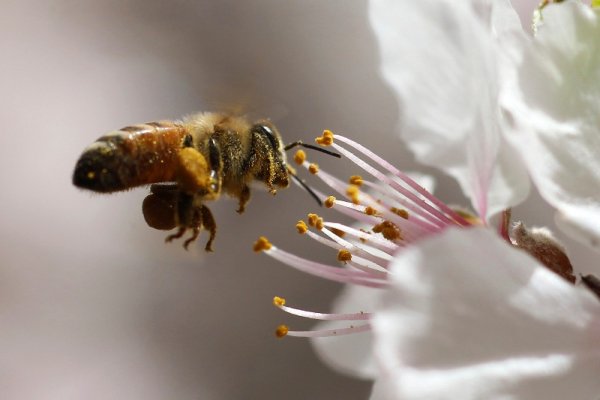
356,180
313,168
91,175
344,255
326,139
301,227
278,301
389,230
315,221
281,331
299,157
400,212
329,201
371,211
353,193
262,244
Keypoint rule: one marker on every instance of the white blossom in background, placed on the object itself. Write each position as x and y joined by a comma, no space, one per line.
456,310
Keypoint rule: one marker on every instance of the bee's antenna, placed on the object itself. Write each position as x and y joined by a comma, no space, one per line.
312,147
304,186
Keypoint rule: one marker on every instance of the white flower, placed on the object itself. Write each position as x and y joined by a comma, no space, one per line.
445,66
468,317
553,109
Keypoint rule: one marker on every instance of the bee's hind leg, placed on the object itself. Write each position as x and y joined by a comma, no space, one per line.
177,235
209,223
196,232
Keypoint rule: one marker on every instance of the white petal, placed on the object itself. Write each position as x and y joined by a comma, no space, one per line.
350,354
554,103
440,59
470,317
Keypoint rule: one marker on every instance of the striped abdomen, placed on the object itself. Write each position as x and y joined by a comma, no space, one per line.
132,156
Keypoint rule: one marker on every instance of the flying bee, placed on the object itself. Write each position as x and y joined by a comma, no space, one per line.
188,163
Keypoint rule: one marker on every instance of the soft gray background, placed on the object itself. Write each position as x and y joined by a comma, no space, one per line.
93,304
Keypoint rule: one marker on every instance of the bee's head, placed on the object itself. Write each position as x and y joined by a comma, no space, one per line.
273,154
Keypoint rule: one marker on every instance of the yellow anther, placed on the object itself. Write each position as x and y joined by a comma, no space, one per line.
278,301
371,211
356,180
389,230
313,168
262,244
312,219
329,201
319,223
344,255
353,192
400,212
299,157
326,139
301,227
281,331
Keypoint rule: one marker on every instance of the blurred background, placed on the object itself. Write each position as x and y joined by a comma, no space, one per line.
93,304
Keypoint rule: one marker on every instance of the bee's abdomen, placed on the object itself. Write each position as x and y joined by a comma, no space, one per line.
132,156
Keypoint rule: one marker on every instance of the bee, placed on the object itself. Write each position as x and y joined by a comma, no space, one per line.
188,163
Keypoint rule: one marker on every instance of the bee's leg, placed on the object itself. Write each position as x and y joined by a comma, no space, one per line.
209,223
193,172
244,198
177,235
196,232
216,169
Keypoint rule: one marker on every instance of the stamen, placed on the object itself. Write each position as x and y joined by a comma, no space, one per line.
278,301
379,243
315,221
281,331
299,157
326,271
389,231
356,180
389,167
301,227
400,189
329,201
360,316
329,332
344,255
352,192
326,139
371,211
262,244
402,213
313,168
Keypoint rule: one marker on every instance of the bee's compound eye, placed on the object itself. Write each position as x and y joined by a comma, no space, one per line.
267,131
159,210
